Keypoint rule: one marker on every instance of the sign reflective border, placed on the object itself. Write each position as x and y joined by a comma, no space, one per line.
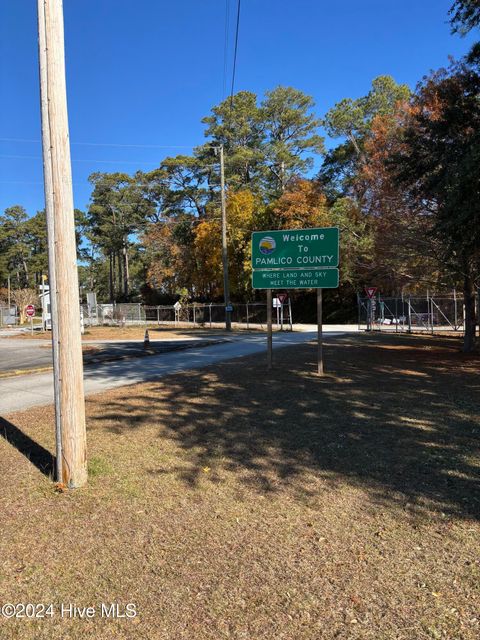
295,279
295,248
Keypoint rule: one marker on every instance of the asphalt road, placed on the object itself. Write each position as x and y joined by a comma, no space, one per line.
22,392
24,354
35,354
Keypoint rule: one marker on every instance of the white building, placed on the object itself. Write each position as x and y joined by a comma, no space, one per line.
44,296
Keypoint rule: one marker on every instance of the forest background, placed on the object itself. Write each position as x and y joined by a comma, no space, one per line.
402,184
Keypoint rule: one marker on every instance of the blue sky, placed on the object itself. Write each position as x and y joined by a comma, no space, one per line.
146,72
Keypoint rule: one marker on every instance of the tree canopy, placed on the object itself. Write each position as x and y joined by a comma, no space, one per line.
400,179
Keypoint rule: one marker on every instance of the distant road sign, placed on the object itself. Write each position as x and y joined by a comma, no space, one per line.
276,303
371,291
295,279
177,306
283,297
229,308
30,310
295,249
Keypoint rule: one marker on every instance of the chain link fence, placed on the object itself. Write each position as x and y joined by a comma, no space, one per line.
428,313
192,315
113,314
8,315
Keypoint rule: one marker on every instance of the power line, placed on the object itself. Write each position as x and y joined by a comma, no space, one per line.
235,54
75,184
138,146
109,144
17,157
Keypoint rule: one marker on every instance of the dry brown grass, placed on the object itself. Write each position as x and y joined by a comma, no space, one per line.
129,333
232,503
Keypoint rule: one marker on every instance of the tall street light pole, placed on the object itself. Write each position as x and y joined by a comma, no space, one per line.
64,300
226,288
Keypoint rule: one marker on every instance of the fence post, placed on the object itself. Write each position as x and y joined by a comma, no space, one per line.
210,314
194,316
247,317
396,314
290,313
478,310
409,315
455,307
431,317
428,307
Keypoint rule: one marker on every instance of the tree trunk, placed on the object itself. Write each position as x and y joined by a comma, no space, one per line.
282,176
112,292
126,273
119,274
470,319
25,268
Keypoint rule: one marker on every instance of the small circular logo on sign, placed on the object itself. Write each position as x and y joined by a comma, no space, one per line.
267,245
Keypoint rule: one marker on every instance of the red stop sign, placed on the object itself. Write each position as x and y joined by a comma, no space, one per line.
30,310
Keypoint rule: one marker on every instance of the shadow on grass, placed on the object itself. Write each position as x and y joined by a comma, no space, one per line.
34,452
397,416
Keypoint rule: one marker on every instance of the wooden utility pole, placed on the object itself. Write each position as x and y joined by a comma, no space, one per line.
48,188
64,299
226,288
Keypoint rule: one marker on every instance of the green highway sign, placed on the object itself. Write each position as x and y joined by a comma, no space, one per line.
295,249
295,279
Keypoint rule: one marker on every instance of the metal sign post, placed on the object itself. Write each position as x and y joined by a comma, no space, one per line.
320,333
269,328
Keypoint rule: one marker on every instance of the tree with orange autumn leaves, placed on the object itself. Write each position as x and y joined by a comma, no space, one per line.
405,256
194,259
